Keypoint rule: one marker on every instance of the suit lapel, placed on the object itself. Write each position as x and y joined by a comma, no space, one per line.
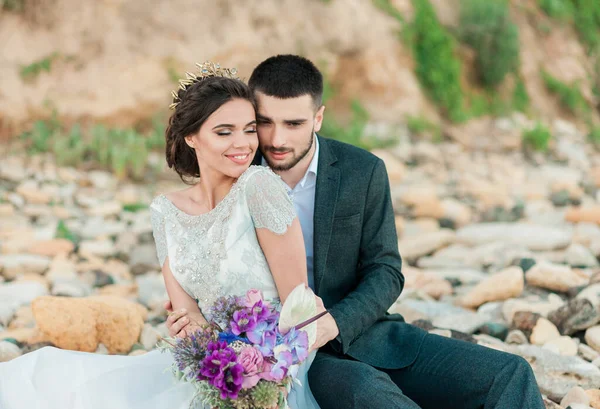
326,193
257,158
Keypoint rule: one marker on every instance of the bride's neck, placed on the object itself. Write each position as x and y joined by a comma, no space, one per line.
211,188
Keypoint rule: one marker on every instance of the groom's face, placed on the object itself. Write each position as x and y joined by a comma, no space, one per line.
286,129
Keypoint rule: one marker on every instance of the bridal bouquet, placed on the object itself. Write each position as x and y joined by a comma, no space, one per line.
249,354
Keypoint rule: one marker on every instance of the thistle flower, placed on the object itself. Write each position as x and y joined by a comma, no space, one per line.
188,353
221,313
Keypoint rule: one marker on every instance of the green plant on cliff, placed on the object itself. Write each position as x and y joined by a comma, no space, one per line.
31,71
353,132
594,136
587,21
585,15
486,26
570,96
12,5
557,9
421,126
438,68
537,138
388,8
123,151
520,96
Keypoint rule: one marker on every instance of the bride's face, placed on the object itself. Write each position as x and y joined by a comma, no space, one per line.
226,141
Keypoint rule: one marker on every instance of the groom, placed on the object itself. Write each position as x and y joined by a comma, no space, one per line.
367,357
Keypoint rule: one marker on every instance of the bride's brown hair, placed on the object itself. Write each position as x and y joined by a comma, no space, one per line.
194,105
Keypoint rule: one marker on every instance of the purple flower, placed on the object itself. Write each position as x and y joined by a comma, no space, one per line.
221,370
264,337
242,322
297,342
229,381
261,311
280,368
223,309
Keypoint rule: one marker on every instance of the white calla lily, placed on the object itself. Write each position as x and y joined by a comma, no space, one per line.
300,306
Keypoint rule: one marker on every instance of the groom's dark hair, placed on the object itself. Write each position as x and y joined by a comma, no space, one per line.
288,76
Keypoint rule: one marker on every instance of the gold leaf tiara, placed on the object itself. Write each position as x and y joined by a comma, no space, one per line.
206,70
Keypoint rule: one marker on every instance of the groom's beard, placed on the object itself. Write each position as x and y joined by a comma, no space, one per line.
294,160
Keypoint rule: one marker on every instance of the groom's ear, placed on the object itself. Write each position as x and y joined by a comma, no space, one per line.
319,118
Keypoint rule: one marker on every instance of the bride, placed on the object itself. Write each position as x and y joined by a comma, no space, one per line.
234,230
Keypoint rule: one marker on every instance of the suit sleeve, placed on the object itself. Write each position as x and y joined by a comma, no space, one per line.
379,270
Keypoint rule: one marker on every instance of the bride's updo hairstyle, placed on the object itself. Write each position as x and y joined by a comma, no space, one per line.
198,96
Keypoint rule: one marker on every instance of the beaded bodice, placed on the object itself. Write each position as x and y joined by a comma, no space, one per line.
217,253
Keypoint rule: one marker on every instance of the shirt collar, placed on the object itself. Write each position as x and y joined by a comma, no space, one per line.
312,168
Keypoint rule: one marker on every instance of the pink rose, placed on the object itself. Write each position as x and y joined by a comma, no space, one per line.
252,361
252,297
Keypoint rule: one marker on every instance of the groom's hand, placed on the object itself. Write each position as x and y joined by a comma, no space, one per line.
327,328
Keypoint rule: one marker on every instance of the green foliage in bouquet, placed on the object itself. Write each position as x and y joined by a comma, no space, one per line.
486,26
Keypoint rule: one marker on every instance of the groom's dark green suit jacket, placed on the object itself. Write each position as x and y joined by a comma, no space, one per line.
357,267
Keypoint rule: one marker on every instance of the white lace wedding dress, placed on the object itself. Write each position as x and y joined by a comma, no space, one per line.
210,255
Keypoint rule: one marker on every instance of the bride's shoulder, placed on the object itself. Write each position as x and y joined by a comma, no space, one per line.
165,201
259,175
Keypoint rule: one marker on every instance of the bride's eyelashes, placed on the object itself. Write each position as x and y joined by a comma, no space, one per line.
227,133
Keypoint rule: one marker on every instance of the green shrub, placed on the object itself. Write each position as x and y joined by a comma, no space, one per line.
134,207
569,95
537,138
388,8
123,151
486,26
587,21
438,68
354,132
520,97
12,5
594,136
419,125
63,232
31,71
557,9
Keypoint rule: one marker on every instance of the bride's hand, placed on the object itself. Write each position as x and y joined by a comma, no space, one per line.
182,323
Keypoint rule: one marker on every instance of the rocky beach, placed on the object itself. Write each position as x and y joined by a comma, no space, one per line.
500,246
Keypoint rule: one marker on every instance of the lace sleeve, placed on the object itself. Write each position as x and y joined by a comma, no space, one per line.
270,205
157,220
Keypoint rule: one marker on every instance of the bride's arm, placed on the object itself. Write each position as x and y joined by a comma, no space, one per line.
286,257
183,309
181,301
278,230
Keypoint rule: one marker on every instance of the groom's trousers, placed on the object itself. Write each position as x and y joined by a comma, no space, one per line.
447,374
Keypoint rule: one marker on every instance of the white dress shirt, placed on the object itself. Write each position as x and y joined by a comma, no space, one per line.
303,196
